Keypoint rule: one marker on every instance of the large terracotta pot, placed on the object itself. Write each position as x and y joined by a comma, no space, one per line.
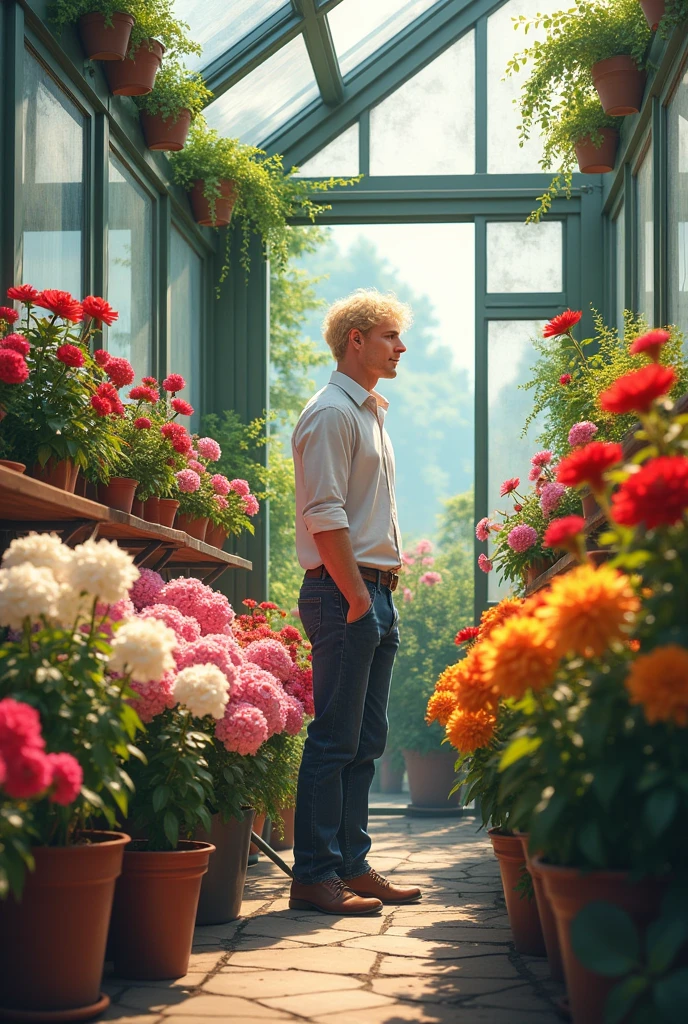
17,467
570,890
203,208
276,842
195,528
119,493
216,535
654,12
523,913
620,85
62,473
391,775
547,919
431,778
136,76
594,160
105,42
154,911
167,510
151,509
222,888
169,135
52,942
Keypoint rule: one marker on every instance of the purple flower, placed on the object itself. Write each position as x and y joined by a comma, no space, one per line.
550,497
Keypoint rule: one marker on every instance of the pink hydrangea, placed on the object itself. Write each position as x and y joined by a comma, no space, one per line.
220,501
243,730
423,547
187,481
211,609
534,474
153,698
207,651
231,646
431,579
550,497
482,528
185,627
146,589
261,689
582,433
300,686
428,561
522,537
209,448
220,484
295,713
251,505
240,486
272,656
67,778
408,595
484,563
407,559
542,458
196,466
111,614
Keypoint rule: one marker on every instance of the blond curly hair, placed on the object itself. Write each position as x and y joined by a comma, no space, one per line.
362,310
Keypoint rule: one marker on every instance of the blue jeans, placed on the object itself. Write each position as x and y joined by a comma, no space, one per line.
352,672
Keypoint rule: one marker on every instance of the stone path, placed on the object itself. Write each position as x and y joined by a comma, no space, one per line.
447,960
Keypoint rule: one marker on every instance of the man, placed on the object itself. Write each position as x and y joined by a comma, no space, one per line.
348,542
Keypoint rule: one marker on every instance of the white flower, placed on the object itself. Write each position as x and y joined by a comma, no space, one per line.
42,550
102,570
27,590
143,648
203,689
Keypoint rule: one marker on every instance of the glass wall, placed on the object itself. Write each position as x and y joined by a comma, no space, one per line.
677,204
524,257
620,267
645,238
186,317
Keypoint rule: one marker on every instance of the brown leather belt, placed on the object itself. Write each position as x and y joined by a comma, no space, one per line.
377,576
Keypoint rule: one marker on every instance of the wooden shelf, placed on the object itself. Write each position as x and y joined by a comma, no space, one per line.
564,564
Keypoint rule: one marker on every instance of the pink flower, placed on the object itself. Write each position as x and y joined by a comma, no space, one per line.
209,449
153,698
16,342
408,594
184,626
295,714
408,559
3,771
482,529
484,563
582,433
120,371
534,474
174,382
263,691
28,773
243,730
8,314
251,505
428,561
210,608
542,458
67,778
187,481
20,728
211,651
270,655
522,537
220,484
197,466
143,423
146,589
423,547
240,487
181,407
430,579
509,486
220,501
550,497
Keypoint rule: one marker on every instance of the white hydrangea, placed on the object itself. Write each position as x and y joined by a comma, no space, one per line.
27,590
102,570
42,550
143,649
203,689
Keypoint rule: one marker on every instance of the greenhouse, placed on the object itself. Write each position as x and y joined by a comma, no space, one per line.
308,714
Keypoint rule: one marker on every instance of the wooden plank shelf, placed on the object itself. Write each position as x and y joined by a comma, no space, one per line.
592,525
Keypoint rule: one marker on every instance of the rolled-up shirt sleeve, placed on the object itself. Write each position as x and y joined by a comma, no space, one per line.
325,442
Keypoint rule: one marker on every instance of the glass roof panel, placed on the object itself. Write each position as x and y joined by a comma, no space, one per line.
360,27
219,24
266,98
337,158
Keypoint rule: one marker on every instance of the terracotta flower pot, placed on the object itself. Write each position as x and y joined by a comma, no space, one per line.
653,11
620,85
592,160
62,473
222,888
216,535
137,507
258,827
590,506
167,510
569,891
431,777
391,775
195,528
547,919
536,569
599,557
17,467
523,913
105,42
203,208
151,509
276,842
154,911
136,76
168,135
52,942
119,493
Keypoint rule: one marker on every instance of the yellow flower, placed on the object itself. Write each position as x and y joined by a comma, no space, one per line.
474,689
440,707
520,655
659,682
468,730
588,608
493,617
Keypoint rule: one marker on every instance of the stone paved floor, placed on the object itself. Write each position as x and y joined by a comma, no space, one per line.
447,959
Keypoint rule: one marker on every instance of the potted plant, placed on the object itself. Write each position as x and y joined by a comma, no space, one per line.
66,732
105,26
156,32
167,112
664,14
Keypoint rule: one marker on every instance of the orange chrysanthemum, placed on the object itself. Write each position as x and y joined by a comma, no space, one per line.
448,680
440,707
588,608
493,617
474,690
519,656
659,682
468,730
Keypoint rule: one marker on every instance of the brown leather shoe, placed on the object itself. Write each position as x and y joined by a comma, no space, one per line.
331,897
373,884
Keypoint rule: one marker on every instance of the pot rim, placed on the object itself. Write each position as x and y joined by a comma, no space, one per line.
190,846
117,839
127,479
120,15
625,58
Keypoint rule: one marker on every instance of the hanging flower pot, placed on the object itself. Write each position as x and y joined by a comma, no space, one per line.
222,888
167,510
136,76
151,509
102,41
654,11
195,528
52,942
60,473
594,160
216,535
17,467
620,85
523,912
118,493
167,135
154,911
217,212
547,919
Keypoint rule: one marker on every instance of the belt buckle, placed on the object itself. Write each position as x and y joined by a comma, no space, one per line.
394,581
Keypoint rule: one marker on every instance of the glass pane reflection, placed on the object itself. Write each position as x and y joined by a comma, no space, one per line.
360,27
220,24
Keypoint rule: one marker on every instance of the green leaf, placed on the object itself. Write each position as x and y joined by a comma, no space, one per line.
590,843
671,996
605,939
161,794
606,782
171,826
204,815
622,997
665,938
659,810
521,747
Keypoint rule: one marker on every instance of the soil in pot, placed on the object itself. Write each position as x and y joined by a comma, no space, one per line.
593,160
523,912
151,509
222,888
216,213
276,841
620,85
136,77
547,919
62,473
195,528
431,778
52,942
154,912
118,493
654,11
17,467
168,136
102,41
167,510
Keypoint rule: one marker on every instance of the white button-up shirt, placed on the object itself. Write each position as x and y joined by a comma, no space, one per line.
344,468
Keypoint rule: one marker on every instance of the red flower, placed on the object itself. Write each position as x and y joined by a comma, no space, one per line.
143,423
650,344
108,392
291,635
588,465
636,391
177,436
565,379
250,603
181,407
13,368
28,774
101,357
61,304
508,486
465,635
144,394
562,323
101,405
518,508
70,355
150,381
174,382
564,532
120,371
67,778
8,314
657,495
99,309
17,342
23,293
